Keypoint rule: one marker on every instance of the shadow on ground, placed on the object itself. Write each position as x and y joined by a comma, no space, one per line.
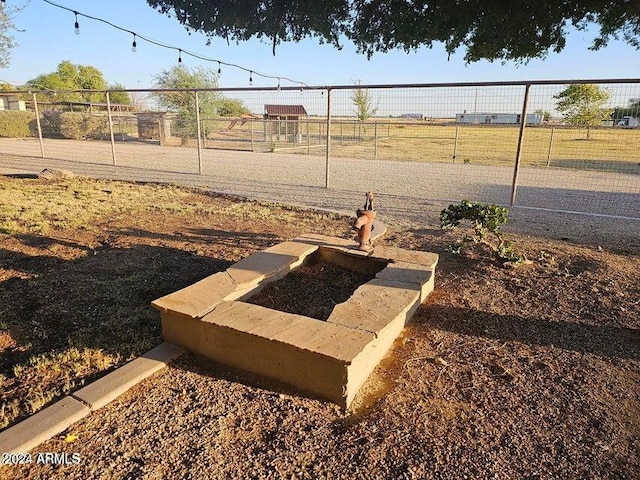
604,341
101,299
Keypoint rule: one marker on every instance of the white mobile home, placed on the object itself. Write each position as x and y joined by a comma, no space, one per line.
498,118
629,122
415,116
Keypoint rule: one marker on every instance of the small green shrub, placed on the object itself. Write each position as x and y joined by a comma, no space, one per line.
80,126
485,219
16,124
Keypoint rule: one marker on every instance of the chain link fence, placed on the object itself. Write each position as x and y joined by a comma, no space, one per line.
498,142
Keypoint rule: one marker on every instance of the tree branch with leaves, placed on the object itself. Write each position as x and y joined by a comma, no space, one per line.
7,42
517,30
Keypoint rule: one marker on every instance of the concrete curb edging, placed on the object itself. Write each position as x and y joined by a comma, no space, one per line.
56,418
45,424
111,386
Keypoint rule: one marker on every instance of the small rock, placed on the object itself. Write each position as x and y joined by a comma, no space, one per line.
441,361
55,174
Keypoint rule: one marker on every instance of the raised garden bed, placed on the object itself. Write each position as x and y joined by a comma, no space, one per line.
220,319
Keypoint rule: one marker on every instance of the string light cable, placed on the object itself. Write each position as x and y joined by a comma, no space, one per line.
181,51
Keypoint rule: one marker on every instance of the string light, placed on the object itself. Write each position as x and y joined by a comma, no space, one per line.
219,70
134,45
164,45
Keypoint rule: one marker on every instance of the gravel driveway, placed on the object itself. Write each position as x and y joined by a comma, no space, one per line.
408,193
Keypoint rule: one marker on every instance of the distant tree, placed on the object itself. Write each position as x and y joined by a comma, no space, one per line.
583,105
228,107
632,110
211,104
492,29
69,76
121,98
546,116
7,42
363,102
183,103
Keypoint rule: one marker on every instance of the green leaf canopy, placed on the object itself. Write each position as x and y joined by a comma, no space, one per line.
487,29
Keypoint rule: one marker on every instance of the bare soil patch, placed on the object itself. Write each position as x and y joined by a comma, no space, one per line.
312,290
525,373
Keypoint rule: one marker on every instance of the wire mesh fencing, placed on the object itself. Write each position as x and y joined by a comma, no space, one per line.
502,142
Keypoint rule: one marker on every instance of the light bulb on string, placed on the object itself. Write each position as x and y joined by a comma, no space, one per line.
160,44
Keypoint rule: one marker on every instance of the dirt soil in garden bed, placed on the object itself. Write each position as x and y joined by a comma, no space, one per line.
312,290
505,373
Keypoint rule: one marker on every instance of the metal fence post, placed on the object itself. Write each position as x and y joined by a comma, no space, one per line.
375,140
109,119
523,122
553,129
35,107
455,143
252,147
198,134
328,155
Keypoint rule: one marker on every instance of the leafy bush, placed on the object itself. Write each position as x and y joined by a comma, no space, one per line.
80,126
74,125
50,124
16,124
485,219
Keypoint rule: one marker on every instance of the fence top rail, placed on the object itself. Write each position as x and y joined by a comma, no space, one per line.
351,87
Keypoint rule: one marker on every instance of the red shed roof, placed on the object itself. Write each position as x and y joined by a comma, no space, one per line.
288,110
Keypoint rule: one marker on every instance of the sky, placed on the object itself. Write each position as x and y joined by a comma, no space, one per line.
47,37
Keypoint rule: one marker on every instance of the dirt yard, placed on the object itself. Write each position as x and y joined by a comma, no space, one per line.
528,373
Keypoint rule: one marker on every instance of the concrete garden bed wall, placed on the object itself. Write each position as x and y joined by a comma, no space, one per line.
330,359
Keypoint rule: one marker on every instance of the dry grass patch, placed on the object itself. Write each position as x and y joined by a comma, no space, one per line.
82,259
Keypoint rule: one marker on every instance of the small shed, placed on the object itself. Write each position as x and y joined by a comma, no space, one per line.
11,101
154,126
285,120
